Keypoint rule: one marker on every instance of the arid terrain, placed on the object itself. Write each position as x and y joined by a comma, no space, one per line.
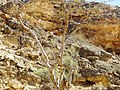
59,45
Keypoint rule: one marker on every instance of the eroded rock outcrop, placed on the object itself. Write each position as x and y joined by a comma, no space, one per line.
43,13
99,22
85,64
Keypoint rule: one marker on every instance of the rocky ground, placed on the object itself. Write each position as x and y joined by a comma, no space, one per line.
29,29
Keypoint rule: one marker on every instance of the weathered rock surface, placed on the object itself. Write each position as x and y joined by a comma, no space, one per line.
99,22
41,13
95,64
91,67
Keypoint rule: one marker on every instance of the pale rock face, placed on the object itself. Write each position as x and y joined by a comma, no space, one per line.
3,1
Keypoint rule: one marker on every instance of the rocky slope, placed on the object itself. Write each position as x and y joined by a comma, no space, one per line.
91,58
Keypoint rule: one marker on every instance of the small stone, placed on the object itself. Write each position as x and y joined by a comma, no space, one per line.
117,82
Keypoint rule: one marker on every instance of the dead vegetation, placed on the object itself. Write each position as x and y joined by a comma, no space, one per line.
33,59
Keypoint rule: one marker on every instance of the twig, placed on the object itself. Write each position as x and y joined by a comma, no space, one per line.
75,30
63,45
43,52
50,68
